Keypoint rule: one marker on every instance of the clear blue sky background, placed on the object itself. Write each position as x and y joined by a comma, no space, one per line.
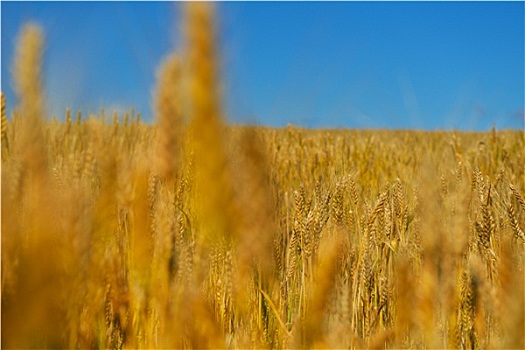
424,65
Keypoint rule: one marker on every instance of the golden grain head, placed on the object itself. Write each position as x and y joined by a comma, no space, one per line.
4,118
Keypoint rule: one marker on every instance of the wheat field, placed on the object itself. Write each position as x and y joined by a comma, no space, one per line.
192,233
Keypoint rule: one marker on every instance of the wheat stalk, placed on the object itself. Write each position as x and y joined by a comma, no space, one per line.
5,141
168,102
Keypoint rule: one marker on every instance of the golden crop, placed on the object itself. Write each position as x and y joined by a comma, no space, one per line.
191,233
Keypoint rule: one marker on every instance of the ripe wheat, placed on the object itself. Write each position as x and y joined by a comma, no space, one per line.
251,237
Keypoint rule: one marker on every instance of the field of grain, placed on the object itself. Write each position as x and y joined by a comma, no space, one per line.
191,233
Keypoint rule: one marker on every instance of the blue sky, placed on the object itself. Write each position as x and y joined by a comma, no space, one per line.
418,65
